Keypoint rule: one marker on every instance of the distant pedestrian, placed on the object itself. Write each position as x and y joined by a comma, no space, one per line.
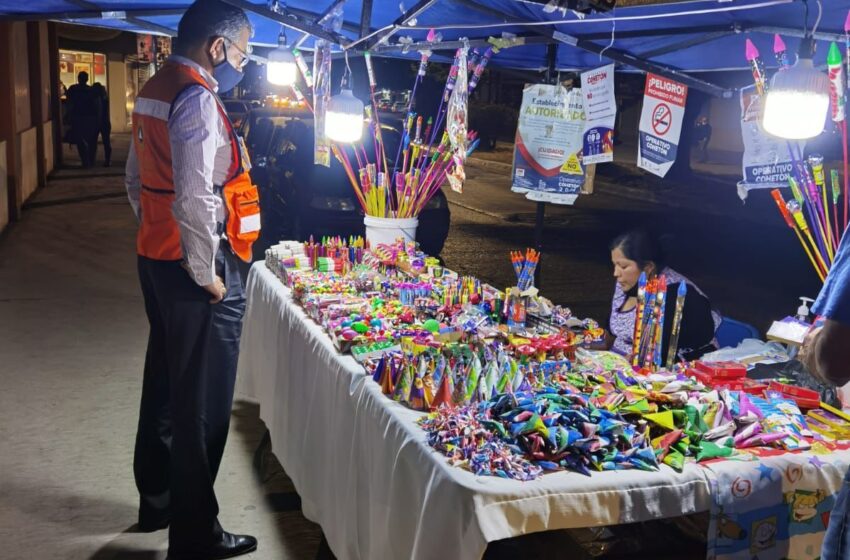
84,117
105,129
702,137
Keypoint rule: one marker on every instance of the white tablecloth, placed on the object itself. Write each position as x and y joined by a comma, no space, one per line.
364,470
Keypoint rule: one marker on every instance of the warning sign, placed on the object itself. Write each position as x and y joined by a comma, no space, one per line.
661,119
661,123
572,166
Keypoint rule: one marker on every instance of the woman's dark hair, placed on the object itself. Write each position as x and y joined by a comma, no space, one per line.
639,246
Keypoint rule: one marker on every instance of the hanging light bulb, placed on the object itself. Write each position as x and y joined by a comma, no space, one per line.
344,115
798,99
281,68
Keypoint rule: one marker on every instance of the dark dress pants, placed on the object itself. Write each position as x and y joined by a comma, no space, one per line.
85,131
187,395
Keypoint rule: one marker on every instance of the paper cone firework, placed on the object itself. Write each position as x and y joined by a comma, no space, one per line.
444,394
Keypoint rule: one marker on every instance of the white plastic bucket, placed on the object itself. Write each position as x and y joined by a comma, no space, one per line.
388,230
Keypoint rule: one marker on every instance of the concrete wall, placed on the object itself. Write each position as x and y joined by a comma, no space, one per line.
25,113
20,77
117,86
47,139
40,71
28,163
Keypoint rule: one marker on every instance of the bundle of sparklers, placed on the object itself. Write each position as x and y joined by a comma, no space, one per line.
649,323
813,213
524,267
422,164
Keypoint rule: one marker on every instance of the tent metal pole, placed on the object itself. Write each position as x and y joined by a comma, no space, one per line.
664,32
454,45
144,24
151,26
90,14
382,34
366,18
796,32
540,214
319,21
289,21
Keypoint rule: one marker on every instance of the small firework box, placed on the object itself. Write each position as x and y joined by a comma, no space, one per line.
719,375
829,422
805,398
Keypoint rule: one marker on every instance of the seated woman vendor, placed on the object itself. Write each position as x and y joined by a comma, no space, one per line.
633,253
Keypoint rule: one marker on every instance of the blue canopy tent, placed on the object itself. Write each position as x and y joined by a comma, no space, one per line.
673,39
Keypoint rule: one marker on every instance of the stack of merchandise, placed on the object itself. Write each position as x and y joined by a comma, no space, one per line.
519,402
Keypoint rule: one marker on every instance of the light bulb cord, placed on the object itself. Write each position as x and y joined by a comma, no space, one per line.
811,33
346,75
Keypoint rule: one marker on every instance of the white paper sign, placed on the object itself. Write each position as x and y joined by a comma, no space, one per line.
547,153
600,109
661,123
767,161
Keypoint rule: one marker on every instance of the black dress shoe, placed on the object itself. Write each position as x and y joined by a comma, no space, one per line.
229,546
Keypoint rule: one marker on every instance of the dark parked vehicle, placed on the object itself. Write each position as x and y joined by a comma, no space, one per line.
300,199
237,110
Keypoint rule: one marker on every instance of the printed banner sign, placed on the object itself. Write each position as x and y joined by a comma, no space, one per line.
767,160
600,107
547,153
661,123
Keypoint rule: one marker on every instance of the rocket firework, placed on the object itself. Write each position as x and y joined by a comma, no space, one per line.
302,66
757,66
423,63
781,53
417,139
479,70
370,70
836,83
450,82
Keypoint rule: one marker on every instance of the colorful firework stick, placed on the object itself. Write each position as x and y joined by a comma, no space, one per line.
673,345
789,221
639,310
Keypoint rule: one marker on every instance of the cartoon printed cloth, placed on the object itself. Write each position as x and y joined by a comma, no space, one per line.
775,506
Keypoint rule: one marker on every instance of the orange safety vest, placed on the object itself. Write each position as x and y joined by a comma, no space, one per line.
159,234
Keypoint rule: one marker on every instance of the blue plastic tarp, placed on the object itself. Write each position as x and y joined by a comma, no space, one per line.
662,27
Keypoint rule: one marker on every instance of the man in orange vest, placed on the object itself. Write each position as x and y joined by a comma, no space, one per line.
188,184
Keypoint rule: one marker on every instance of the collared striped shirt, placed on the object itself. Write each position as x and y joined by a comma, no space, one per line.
200,158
